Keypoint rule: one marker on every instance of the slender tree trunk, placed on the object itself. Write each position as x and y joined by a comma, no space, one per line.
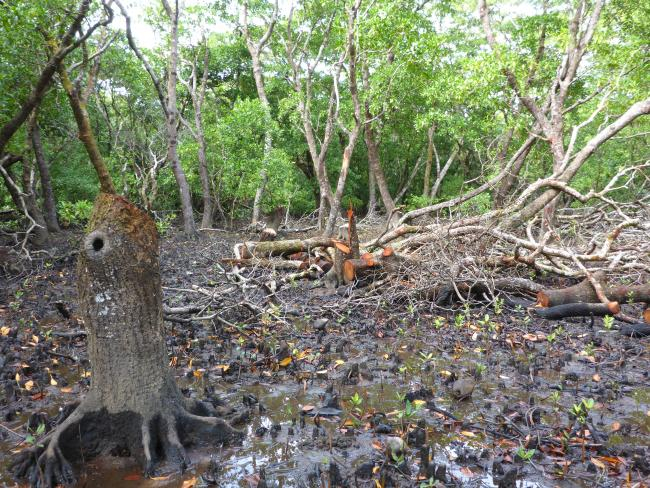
443,172
372,191
429,162
24,198
172,124
255,50
510,179
373,149
354,133
208,200
49,203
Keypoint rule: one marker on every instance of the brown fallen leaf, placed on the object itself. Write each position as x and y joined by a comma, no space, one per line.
132,477
189,483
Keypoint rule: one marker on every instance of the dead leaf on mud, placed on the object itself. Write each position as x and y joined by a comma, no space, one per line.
467,472
285,362
615,427
189,483
535,337
132,477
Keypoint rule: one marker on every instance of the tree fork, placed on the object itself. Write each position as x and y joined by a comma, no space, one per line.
133,402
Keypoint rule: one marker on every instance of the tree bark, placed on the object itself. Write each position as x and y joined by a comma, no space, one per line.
443,172
510,179
263,249
373,149
578,310
49,203
584,292
133,402
172,123
255,50
429,161
354,133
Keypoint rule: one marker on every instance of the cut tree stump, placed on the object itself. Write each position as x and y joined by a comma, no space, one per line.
577,310
354,269
133,403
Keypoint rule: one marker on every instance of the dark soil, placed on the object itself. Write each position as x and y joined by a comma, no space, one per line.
346,391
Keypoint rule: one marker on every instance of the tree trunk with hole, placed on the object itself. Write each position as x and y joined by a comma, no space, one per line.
133,403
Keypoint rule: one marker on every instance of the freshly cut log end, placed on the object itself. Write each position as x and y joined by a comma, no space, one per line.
646,315
614,307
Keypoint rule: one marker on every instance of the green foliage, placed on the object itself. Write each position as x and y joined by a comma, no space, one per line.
76,213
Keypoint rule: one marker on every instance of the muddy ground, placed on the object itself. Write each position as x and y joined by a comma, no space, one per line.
368,392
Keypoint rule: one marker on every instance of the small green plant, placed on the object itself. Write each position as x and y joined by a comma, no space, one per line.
485,321
31,437
438,322
608,322
480,369
356,400
459,320
524,454
498,306
589,349
555,397
409,410
581,410
425,357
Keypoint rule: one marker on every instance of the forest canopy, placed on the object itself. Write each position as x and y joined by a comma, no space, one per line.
283,106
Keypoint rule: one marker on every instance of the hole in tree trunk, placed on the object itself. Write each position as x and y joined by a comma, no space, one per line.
98,244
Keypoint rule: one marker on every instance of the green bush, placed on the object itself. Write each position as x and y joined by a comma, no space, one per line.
76,213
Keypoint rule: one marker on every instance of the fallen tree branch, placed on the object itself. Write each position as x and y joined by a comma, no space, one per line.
577,310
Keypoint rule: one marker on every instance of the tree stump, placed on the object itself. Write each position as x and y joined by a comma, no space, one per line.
133,403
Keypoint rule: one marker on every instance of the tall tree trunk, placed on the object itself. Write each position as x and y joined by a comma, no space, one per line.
172,123
429,162
354,133
133,403
255,50
49,203
373,149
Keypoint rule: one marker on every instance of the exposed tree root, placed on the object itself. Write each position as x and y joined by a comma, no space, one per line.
90,431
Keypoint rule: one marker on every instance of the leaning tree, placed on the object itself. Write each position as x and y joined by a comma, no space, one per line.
133,403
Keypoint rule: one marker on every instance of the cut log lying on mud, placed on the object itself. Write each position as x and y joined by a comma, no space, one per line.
280,264
646,314
577,310
354,269
264,249
584,292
